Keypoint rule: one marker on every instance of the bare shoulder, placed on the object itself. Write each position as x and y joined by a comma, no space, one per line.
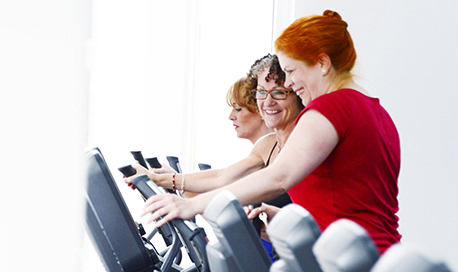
263,146
255,161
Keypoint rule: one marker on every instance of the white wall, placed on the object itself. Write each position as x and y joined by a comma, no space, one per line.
43,85
407,57
160,75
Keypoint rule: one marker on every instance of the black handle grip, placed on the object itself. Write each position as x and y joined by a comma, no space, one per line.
146,189
257,223
153,162
139,157
127,170
174,163
204,166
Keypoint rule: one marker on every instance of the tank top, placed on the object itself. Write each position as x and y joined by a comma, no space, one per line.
280,201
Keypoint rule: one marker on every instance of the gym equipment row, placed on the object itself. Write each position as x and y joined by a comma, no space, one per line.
123,245
343,247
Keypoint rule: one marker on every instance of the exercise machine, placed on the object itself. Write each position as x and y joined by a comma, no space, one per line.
403,258
238,246
345,246
119,240
116,236
293,232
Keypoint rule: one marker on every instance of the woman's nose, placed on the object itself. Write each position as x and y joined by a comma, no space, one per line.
288,83
269,100
232,115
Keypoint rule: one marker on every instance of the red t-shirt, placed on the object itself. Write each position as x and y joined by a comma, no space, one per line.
358,180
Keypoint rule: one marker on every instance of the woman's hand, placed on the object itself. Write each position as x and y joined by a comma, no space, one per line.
165,169
168,206
140,171
270,210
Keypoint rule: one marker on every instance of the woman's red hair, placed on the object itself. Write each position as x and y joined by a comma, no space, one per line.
308,38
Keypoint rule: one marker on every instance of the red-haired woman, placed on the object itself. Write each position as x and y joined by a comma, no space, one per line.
342,160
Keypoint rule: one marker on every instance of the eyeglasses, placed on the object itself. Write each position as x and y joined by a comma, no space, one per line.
275,94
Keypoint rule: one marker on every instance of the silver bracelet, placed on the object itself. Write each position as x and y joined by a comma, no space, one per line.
182,184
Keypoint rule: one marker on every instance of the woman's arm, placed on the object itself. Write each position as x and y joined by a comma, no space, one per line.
312,140
204,181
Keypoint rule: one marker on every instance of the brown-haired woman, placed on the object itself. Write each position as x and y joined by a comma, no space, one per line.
245,116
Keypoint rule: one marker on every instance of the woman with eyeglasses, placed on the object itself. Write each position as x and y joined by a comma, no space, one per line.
343,158
244,97
278,106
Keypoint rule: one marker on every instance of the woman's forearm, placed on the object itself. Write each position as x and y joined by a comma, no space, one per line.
204,181
255,188
197,182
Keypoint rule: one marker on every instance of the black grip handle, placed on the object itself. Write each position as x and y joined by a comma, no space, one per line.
204,166
127,170
146,189
153,162
257,223
139,157
174,163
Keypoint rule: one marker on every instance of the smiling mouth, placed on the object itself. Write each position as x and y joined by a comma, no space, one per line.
299,92
272,111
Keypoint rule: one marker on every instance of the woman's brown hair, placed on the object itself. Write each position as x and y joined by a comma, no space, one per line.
240,93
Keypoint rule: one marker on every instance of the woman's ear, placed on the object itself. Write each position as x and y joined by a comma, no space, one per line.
325,63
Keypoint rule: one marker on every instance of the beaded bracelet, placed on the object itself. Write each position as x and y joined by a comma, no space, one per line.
173,181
